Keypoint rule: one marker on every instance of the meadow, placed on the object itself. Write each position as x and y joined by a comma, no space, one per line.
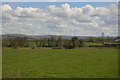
91,43
56,63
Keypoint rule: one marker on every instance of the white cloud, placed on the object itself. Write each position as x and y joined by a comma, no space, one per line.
64,20
6,8
88,10
30,25
52,0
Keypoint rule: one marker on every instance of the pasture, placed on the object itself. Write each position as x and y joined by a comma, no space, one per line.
64,63
95,44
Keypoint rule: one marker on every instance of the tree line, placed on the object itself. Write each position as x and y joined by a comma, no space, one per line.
53,42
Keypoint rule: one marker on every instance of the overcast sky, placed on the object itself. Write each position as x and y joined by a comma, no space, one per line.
60,0
55,18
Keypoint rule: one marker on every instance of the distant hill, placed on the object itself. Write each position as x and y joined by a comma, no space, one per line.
34,37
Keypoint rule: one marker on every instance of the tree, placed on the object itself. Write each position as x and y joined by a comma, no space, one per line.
91,39
49,42
81,43
45,42
60,39
68,44
53,42
74,41
26,42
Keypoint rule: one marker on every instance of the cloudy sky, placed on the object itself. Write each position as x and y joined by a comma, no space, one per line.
60,18
60,0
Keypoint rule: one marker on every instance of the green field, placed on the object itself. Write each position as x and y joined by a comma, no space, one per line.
95,44
49,63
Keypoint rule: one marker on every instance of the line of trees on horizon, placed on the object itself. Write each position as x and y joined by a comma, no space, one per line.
74,42
45,42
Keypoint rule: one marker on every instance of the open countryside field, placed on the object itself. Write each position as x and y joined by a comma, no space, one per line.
65,63
91,43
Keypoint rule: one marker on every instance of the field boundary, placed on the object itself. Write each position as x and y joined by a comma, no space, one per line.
60,79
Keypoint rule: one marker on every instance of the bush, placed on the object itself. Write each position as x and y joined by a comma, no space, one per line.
69,46
58,48
34,47
15,47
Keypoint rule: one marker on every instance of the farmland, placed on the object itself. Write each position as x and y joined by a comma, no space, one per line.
90,43
64,63
55,39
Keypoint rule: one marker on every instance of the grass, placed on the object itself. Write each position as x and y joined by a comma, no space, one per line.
95,44
74,63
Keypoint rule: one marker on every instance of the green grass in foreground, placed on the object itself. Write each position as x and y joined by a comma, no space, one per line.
76,63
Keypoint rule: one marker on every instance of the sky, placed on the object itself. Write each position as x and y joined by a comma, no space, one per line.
60,0
60,18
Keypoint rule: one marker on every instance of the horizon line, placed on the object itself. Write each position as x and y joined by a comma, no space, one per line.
56,35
